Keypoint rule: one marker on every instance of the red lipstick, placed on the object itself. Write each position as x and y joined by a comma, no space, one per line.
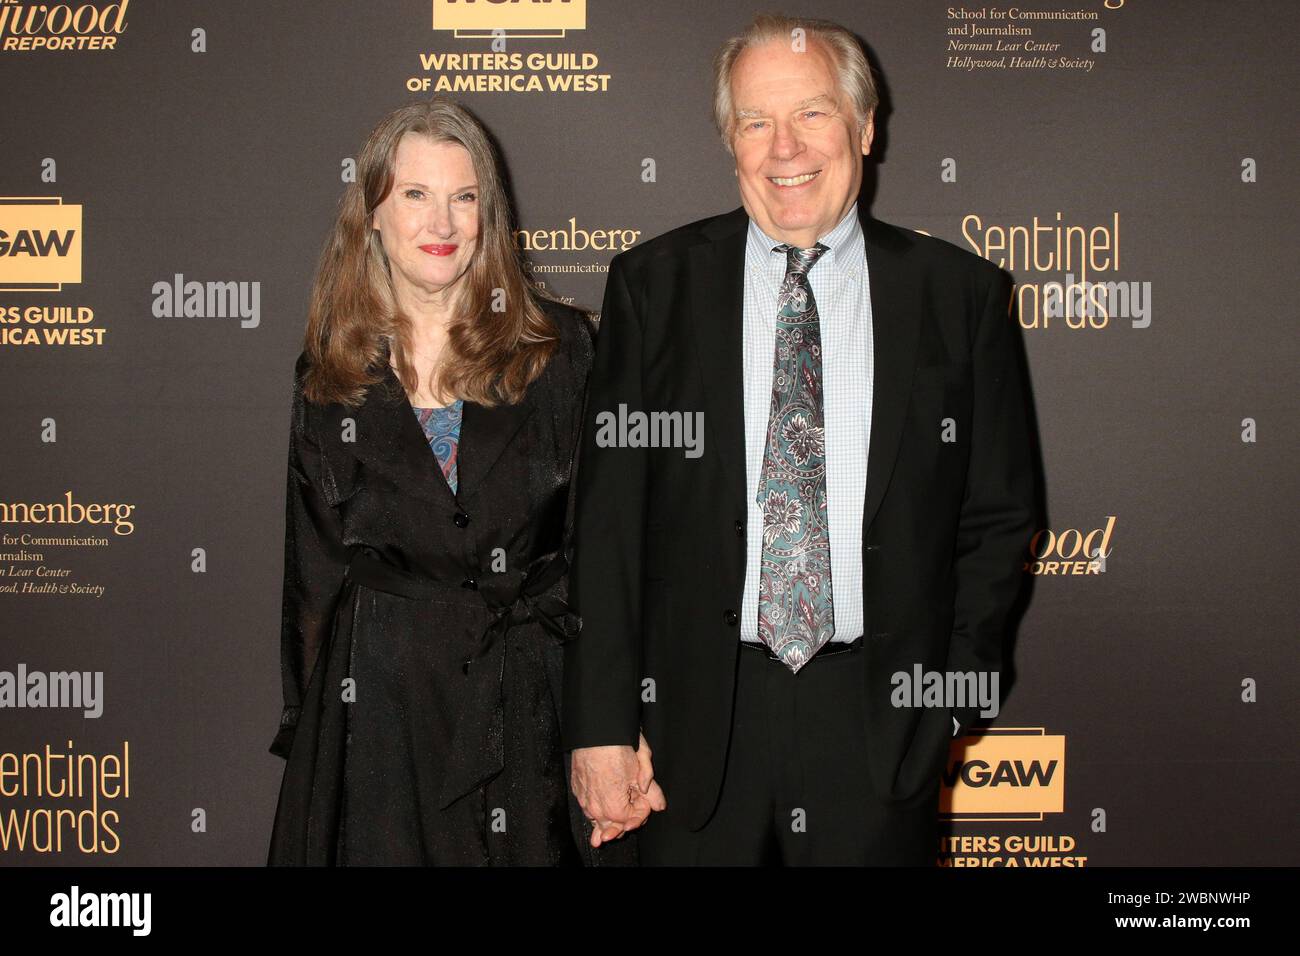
440,249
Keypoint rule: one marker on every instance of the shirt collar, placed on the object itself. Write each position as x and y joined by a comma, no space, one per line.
845,248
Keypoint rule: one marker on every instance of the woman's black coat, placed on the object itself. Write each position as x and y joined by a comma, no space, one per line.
421,641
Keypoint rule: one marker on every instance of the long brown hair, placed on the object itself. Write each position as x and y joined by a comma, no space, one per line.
491,356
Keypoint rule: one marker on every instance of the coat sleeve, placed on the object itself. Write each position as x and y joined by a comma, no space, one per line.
998,508
618,852
602,665
314,564
584,350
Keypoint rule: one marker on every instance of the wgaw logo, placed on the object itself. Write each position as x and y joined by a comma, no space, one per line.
520,18
1012,773
40,243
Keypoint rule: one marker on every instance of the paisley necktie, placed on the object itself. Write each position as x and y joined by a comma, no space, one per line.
795,616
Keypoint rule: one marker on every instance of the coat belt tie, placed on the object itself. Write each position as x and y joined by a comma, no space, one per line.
514,598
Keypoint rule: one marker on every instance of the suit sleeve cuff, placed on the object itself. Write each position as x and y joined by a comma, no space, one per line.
283,741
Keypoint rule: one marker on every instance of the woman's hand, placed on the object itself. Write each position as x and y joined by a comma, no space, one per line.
616,789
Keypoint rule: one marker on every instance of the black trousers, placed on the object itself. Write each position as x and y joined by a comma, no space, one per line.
796,790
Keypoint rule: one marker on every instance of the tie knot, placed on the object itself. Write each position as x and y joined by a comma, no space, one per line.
799,261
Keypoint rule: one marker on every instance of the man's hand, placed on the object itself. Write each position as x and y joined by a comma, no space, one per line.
616,789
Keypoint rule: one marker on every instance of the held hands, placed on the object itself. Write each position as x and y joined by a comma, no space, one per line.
616,789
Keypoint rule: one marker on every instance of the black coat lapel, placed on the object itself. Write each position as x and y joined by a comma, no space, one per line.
484,434
895,323
388,439
717,288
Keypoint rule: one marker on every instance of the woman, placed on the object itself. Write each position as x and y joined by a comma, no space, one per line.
436,412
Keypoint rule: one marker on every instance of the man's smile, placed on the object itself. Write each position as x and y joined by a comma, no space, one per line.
793,182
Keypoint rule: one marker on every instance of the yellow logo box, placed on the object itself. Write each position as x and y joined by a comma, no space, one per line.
524,15
40,243
1013,770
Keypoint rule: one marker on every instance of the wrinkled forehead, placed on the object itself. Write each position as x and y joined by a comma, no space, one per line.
420,154
774,78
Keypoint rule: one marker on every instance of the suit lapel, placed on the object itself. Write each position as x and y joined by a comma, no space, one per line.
895,329
717,285
485,433
389,440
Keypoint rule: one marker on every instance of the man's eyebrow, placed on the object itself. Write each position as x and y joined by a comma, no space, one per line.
802,104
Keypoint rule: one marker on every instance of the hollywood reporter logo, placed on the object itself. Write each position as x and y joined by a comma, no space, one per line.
1072,551
29,27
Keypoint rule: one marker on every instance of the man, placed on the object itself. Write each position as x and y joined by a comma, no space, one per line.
860,506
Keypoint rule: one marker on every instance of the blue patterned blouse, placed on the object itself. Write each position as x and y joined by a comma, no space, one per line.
442,429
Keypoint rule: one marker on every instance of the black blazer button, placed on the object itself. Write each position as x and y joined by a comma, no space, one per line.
469,583
460,519
740,529
731,617
464,666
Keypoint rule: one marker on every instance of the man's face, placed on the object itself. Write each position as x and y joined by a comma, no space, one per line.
798,173
429,221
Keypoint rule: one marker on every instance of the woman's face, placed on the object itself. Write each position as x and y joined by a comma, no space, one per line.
428,223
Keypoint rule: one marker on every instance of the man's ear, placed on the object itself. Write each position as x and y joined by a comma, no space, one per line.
868,132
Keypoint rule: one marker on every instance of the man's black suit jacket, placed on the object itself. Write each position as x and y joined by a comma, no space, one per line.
659,542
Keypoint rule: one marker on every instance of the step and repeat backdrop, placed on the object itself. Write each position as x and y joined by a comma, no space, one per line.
170,170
